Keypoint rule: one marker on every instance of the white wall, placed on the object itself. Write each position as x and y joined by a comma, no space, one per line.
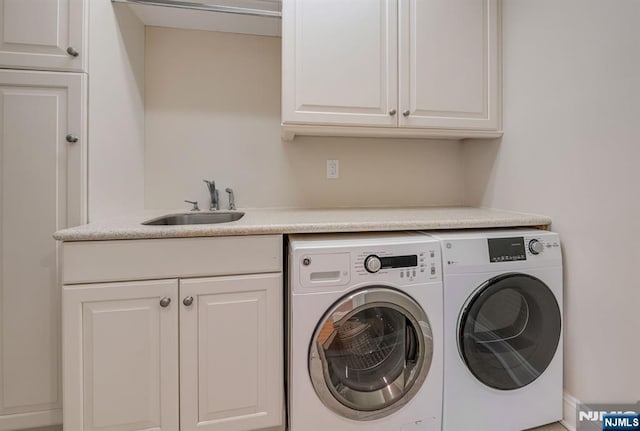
116,110
213,111
571,150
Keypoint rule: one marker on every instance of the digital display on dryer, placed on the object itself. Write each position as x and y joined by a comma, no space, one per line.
506,249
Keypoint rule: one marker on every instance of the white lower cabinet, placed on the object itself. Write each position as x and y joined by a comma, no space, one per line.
121,366
231,353
41,190
174,354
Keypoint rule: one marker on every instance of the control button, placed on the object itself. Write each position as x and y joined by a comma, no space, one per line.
401,274
433,270
421,269
372,264
432,254
535,246
408,274
414,272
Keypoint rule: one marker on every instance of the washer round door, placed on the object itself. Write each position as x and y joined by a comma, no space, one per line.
370,353
508,331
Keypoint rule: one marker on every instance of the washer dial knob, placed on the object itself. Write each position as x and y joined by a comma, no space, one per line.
372,264
535,246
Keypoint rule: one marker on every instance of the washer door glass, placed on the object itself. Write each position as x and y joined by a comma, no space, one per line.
370,353
509,331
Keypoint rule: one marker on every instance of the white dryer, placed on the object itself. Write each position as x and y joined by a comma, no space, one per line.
502,329
364,332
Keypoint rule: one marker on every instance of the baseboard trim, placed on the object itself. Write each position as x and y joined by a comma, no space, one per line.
569,411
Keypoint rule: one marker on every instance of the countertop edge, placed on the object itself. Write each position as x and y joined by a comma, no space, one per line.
135,231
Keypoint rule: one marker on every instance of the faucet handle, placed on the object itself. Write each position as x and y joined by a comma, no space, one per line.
232,200
195,205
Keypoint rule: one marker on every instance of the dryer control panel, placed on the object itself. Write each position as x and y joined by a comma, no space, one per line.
503,250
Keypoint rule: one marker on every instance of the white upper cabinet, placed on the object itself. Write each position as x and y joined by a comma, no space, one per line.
393,68
43,34
340,62
449,64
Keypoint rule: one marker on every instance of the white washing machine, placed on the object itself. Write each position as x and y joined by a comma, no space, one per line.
502,329
365,332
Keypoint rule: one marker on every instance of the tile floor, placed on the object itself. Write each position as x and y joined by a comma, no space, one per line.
550,427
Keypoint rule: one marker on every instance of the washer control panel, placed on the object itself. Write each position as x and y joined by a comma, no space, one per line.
422,264
374,263
337,261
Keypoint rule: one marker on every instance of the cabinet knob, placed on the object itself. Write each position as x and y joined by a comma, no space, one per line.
72,139
406,113
72,52
393,112
165,301
188,301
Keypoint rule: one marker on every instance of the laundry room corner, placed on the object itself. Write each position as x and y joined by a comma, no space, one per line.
571,74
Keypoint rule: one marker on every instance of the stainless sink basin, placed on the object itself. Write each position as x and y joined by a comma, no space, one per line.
195,218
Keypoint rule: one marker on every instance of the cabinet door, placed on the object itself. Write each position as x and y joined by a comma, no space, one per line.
449,64
35,34
121,356
41,191
339,62
231,359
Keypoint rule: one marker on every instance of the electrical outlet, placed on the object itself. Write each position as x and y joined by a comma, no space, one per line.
333,169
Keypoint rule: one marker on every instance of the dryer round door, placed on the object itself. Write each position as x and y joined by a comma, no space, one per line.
370,353
508,331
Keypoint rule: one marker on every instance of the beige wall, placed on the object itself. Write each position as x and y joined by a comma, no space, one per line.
571,150
213,111
116,111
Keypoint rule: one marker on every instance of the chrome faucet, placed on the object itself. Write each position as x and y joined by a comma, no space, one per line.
215,202
232,200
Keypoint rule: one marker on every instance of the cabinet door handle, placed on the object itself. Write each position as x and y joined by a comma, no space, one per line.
72,139
72,52
392,112
188,301
406,113
165,301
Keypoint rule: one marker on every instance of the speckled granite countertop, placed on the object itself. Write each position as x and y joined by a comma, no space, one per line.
282,221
